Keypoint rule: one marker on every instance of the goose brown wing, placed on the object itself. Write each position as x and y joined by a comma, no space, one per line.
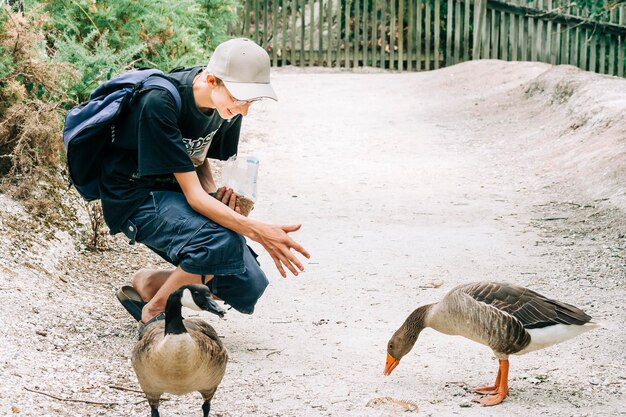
149,337
529,307
144,350
206,336
203,327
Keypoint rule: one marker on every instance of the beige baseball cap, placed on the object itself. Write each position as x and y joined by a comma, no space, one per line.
244,67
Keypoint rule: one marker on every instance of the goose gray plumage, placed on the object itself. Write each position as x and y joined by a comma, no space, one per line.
511,320
180,356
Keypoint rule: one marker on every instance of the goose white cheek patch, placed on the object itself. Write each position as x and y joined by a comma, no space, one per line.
187,300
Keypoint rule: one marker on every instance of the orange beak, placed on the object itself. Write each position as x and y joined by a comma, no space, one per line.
391,364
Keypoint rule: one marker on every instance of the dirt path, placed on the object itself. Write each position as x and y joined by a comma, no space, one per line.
399,180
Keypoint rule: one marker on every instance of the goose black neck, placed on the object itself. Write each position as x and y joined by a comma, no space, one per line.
173,316
415,323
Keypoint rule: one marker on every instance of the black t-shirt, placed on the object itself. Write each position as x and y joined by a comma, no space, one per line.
151,141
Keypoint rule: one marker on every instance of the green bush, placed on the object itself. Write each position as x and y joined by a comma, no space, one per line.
95,61
103,38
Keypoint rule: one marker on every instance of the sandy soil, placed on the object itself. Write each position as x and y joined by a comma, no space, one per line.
484,170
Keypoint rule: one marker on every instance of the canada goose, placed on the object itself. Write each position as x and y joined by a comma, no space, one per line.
180,356
511,320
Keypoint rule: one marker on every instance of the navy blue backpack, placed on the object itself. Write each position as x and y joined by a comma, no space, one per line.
89,126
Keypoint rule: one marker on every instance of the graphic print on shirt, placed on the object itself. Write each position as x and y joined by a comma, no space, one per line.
198,148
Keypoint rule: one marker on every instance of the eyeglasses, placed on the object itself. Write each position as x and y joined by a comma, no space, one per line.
244,102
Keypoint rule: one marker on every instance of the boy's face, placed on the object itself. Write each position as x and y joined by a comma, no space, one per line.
226,105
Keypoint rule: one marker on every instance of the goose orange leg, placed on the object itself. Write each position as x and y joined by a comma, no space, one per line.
500,389
489,389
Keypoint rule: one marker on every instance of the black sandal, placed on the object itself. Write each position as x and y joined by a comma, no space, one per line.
131,301
143,326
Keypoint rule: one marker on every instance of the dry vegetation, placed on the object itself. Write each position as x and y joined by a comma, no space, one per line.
31,108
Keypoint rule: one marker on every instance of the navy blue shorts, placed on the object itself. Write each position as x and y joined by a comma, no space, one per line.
167,225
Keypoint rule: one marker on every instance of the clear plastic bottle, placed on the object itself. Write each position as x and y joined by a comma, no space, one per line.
241,175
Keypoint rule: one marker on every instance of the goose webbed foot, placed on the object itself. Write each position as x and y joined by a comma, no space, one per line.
490,400
499,390
486,390
489,389
206,407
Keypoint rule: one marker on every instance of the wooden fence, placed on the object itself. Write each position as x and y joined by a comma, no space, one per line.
429,34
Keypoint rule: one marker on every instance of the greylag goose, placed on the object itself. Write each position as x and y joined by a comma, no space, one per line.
511,320
180,356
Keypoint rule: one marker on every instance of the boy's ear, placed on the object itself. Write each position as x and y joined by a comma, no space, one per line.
209,78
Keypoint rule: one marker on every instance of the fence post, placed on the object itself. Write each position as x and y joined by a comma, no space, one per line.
524,33
620,43
592,53
485,32
302,32
565,51
357,33
292,30
584,50
495,35
346,44
457,31
312,33
420,25
283,47
612,44
266,31
411,35
320,30
503,37
539,34
466,28
256,22
274,34
330,34
427,43
365,30
383,34
340,37
602,55
449,34
476,32
436,24
374,33
574,53
552,51
392,34
401,35
245,30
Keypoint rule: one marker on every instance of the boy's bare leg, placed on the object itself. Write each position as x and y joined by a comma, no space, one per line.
148,281
156,285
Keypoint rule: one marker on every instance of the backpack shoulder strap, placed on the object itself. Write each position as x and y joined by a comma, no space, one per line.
160,81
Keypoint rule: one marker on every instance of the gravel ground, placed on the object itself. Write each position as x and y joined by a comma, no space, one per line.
406,185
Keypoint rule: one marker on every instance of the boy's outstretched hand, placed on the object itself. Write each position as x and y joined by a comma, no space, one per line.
278,244
273,237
